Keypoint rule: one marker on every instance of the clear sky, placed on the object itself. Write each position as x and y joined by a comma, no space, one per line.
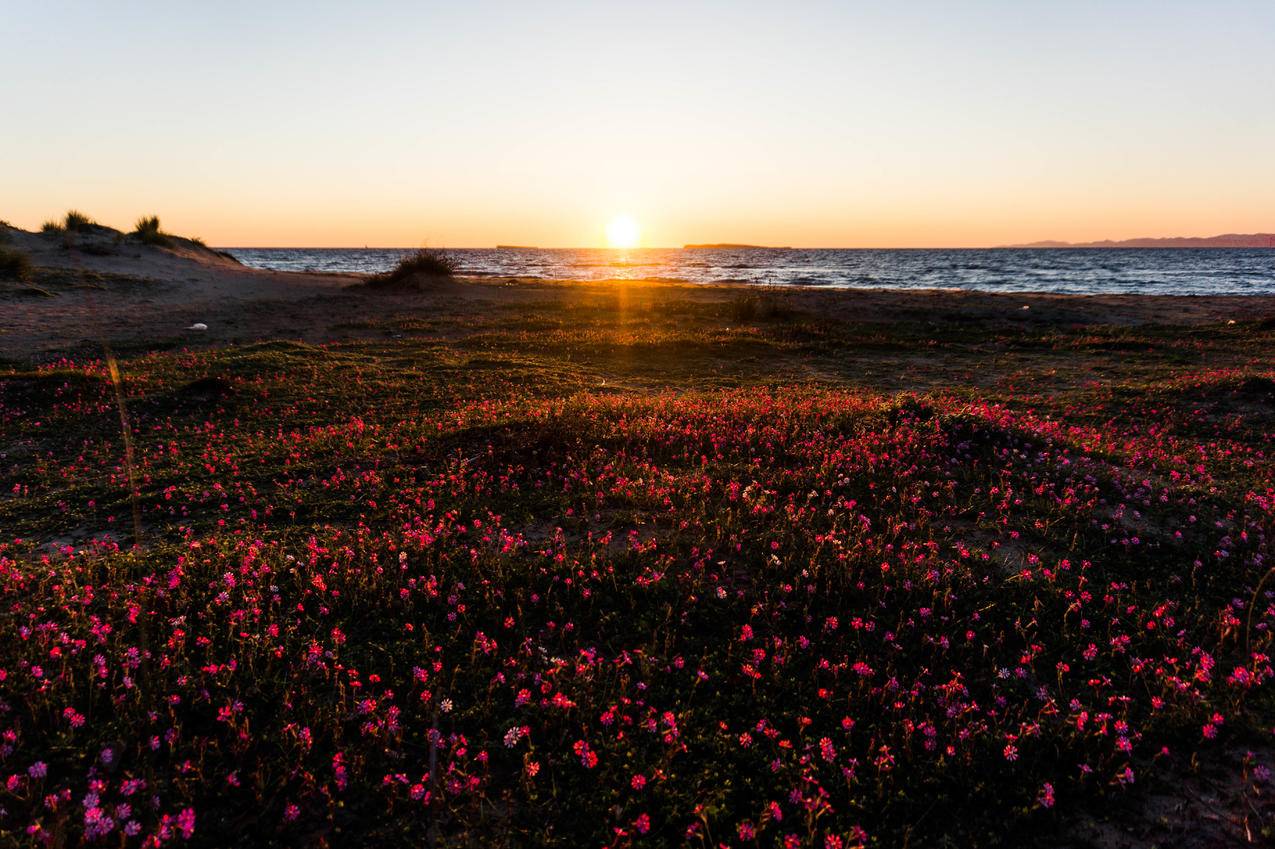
792,123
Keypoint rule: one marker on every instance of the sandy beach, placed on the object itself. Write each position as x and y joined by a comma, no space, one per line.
138,295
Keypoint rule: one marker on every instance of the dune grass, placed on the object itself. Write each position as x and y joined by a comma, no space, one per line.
147,230
14,265
77,221
74,221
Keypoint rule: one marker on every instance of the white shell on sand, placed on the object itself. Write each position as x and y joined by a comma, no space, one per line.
199,325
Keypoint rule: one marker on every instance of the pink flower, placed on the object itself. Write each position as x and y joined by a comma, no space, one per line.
186,823
587,757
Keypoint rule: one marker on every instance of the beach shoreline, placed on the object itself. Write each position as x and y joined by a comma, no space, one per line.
153,296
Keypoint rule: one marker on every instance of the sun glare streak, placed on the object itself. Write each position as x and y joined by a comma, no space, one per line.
623,232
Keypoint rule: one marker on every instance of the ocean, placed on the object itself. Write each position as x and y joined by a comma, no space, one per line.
1144,271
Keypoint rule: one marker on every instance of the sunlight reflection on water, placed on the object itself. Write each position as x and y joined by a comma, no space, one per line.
1071,271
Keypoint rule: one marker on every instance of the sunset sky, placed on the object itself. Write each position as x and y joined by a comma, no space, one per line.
797,123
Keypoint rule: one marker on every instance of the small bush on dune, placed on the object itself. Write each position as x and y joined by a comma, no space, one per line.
14,265
414,268
147,230
76,220
52,228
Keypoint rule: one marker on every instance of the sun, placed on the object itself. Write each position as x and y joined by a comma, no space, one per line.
623,232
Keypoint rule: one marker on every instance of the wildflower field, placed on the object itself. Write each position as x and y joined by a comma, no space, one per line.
636,577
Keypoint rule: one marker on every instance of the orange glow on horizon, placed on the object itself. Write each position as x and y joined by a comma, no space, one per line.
823,225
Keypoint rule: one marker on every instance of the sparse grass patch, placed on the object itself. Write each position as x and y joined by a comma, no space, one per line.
751,306
52,228
14,265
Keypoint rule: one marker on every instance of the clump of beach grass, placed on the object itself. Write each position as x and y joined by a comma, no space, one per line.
14,265
76,220
416,269
147,230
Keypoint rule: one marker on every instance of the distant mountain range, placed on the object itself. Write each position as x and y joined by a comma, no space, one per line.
1229,240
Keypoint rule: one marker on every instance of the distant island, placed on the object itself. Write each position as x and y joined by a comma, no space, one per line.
1229,240
732,246
516,247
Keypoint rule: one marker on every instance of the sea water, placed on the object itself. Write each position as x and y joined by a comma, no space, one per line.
1147,271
